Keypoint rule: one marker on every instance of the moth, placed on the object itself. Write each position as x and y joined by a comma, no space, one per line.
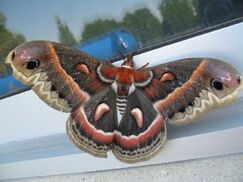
122,109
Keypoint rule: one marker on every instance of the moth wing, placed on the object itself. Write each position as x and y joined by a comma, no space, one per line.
182,90
62,77
141,132
95,128
91,127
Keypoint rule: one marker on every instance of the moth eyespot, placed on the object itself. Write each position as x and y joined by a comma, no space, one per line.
53,88
238,79
13,55
100,110
191,103
33,64
183,109
61,96
138,115
83,68
168,76
215,83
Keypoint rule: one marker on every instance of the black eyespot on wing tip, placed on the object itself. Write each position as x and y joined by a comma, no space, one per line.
238,79
182,110
191,103
33,64
13,55
53,88
217,84
61,96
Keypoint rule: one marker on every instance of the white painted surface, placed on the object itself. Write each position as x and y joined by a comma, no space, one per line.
180,149
25,116
217,169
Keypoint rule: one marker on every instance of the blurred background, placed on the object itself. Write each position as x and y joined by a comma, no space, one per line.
104,28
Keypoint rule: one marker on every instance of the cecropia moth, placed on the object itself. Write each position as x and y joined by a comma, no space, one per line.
122,109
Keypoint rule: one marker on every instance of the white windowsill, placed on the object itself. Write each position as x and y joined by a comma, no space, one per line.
198,146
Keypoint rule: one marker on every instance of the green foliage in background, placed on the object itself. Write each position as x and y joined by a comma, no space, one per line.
8,41
144,25
65,36
178,16
98,27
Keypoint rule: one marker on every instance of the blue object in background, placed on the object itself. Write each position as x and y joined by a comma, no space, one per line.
110,44
9,84
104,47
